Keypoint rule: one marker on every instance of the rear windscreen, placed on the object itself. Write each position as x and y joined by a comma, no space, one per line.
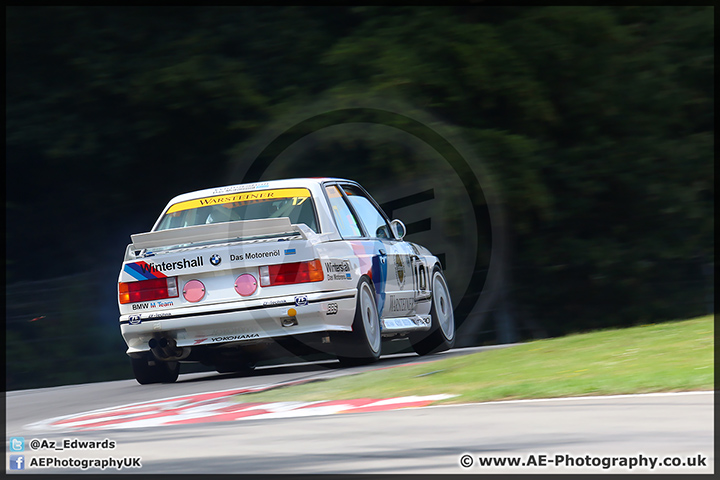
294,203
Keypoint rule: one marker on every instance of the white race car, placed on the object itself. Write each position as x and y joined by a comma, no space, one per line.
231,275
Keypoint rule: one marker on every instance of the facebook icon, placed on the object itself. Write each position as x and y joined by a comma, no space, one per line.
17,462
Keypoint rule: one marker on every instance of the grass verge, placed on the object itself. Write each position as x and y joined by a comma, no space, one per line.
670,356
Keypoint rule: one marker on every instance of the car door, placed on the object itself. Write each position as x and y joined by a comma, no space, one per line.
397,255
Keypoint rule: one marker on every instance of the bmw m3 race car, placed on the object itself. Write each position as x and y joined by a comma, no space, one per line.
229,274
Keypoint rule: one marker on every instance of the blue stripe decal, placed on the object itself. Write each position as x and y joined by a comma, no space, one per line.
139,273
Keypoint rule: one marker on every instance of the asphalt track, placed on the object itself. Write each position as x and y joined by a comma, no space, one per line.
582,435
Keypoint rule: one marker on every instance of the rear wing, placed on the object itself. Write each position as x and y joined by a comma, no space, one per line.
238,230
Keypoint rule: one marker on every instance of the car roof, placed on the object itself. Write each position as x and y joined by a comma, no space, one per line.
248,187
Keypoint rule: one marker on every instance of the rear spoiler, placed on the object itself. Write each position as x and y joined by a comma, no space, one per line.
241,229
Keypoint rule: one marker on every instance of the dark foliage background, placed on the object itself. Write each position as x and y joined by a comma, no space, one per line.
598,123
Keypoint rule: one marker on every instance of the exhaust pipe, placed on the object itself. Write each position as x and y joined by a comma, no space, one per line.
165,348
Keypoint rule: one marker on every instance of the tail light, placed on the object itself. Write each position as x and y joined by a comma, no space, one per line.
146,290
289,273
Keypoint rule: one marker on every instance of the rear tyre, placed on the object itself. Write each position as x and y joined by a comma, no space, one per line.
441,335
149,370
363,344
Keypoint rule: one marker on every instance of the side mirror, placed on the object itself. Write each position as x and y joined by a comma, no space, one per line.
398,229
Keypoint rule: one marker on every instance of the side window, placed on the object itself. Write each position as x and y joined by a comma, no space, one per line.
369,215
345,220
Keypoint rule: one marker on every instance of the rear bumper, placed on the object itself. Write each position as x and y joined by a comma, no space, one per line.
243,321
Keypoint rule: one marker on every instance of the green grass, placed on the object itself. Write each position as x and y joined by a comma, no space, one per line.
665,357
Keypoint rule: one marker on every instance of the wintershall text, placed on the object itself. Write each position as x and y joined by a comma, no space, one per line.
164,267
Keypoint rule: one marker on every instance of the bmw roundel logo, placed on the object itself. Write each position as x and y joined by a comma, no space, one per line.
215,260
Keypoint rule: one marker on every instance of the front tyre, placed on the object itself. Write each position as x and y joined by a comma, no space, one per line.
148,369
363,344
441,335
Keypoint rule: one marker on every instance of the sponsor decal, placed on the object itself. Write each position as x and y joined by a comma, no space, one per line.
239,188
290,251
338,270
270,303
219,332
332,309
160,315
228,338
398,323
142,271
339,276
401,304
148,271
147,305
258,255
300,193
254,255
134,320
337,267
400,270
301,301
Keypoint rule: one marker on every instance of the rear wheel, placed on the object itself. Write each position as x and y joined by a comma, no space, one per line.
149,370
441,335
363,344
